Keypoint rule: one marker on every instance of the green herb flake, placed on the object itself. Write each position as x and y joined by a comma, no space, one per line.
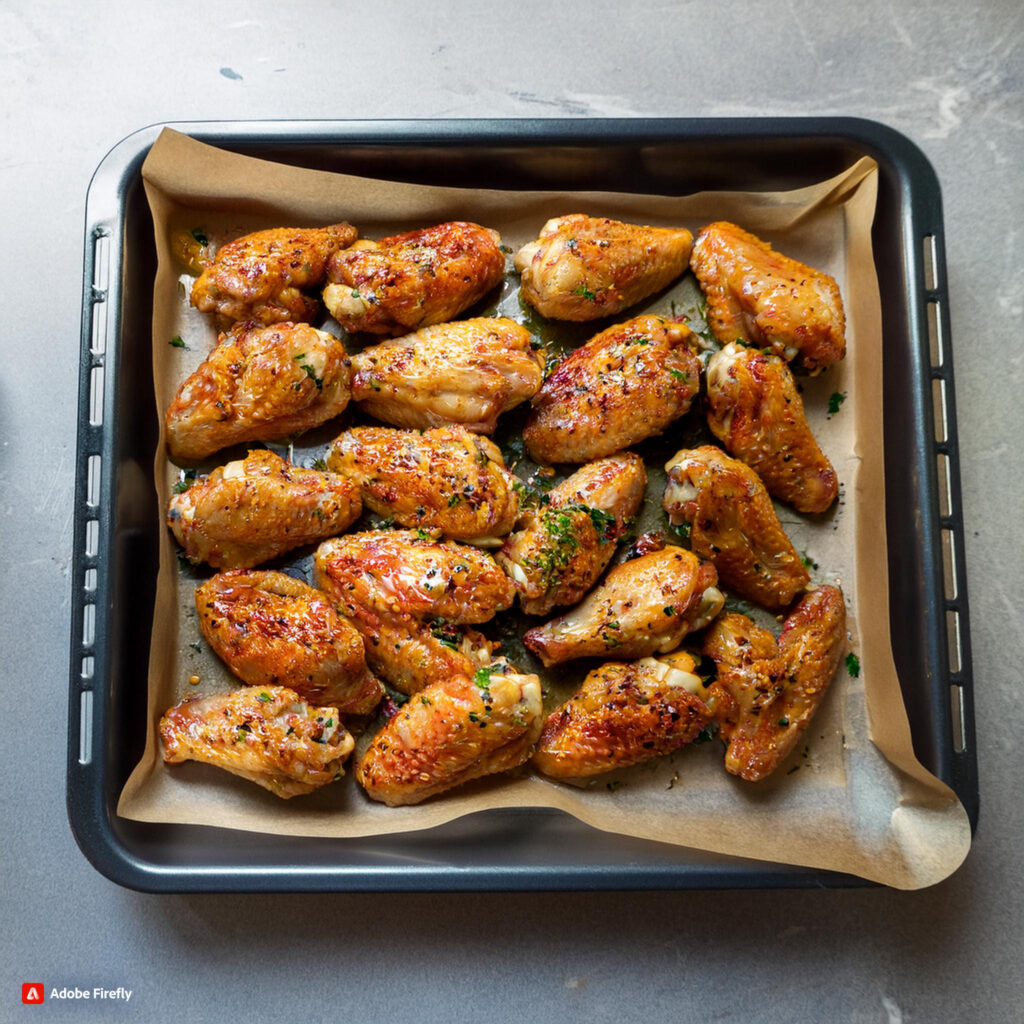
311,374
264,698
585,293
176,342
853,664
835,400
200,237
681,530
454,500
670,609
809,563
483,679
783,721
678,374
320,464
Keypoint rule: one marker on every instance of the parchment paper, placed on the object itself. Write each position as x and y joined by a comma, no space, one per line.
852,797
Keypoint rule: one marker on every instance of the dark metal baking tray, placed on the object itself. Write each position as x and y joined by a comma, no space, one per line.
117,519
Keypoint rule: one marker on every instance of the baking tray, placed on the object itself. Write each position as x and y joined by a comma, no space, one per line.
117,519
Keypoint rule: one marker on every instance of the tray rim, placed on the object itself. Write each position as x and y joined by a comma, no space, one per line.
88,813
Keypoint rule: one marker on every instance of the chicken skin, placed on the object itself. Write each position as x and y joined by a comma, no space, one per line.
626,384
258,384
762,298
415,279
250,511
468,372
767,691
585,268
624,713
262,276
271,629
755,410
266,734
451,732
562,548
645,606
446,479
734,525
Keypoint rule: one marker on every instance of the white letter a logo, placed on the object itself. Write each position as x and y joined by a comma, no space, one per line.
33,996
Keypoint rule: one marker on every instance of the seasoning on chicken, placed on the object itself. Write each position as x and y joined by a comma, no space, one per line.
250,511
467,372
645,606
451,732
734,525
760,297
266,734
413,279
623,714
258,384
271,629
446,479
563,547
767,691
755,410
585,268
262,276
626,384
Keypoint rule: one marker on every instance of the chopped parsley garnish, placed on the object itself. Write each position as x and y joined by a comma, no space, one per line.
809,563
678,374
177,342
670,609
320,464
835,400
188,478
783,721
584,293
448,634
853,664
311,373
681,530
454,500
264,698
483,679
200,237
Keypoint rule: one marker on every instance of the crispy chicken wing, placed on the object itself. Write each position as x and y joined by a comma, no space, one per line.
562,548
734,525
414,279
266,734
757,295
642,607
271,629
255,509
468,372
452,732
262,276
447,479
624,713
755,410
767,692
258,384
585,268
627,383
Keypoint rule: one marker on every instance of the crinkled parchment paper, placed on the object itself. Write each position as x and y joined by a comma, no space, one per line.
852,797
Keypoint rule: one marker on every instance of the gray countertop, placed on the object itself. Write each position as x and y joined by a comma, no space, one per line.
75,79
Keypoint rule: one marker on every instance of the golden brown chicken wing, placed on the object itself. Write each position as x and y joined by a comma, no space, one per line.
446,479
255,509
562,548
452,732
266,734
734,525
262,276
271,629
468,372
767,692
585,268
414,279
624,713
642,607
627,383
760,297
258,384
755,410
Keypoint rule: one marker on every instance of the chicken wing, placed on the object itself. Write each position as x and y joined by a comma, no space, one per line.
452,732
767,692
447,479
262,276
266,734
271,629
734,525
255,509
468,372
585,268
642,607
627,383
414,279
624,713
258,384
562,548
758,296
755,410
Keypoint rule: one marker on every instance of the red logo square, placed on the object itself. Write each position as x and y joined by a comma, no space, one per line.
32,993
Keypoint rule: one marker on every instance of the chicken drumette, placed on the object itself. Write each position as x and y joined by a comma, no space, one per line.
760,297
258,384
585,268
